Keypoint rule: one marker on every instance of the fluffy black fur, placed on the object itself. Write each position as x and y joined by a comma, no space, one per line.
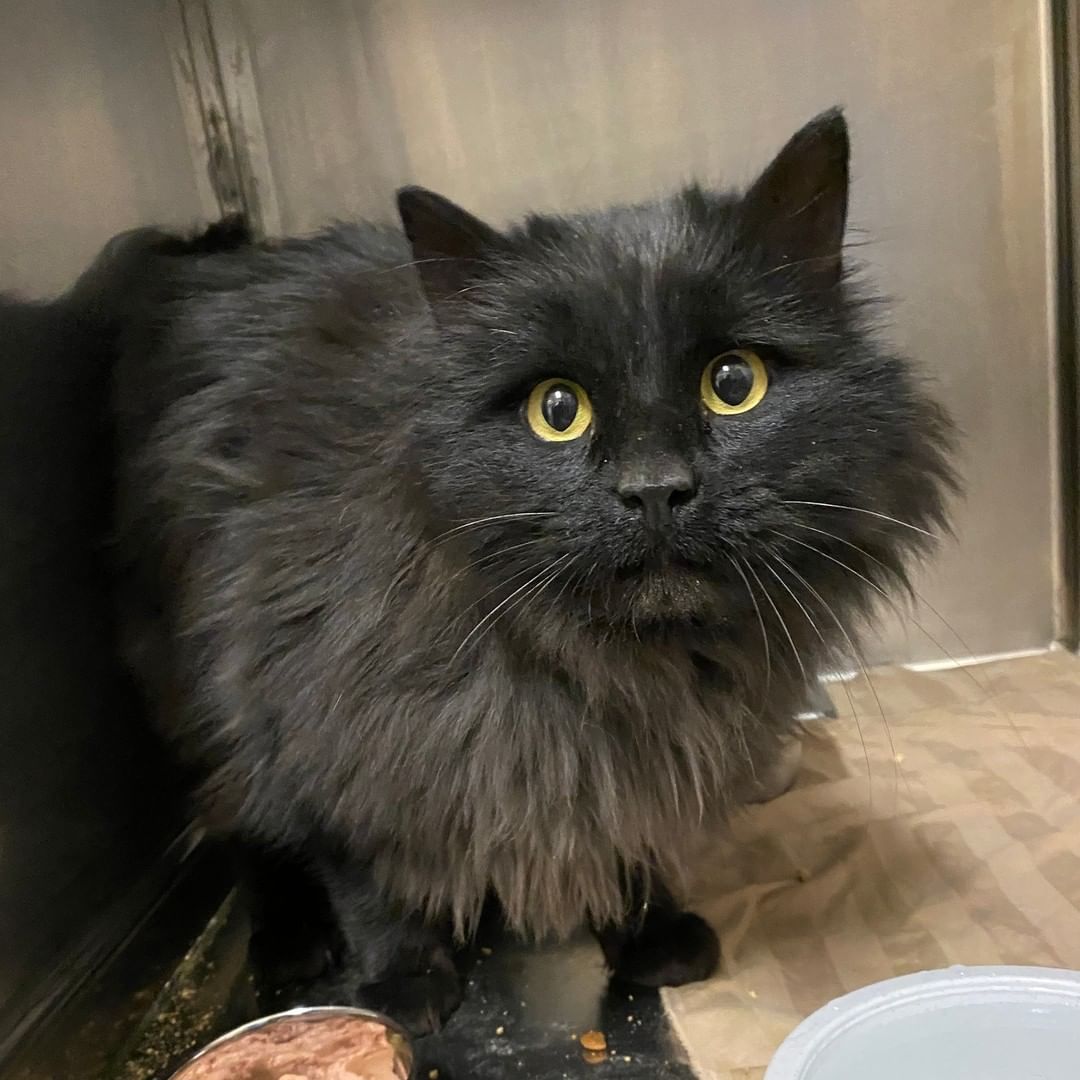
424,656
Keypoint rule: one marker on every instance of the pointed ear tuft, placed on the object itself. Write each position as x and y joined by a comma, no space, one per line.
796,211
447,242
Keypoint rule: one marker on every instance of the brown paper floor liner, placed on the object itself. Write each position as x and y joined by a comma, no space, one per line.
958,844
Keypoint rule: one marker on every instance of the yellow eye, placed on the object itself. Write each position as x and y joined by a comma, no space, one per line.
734,382
558,410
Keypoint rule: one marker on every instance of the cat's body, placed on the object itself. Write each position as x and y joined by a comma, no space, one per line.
431,655
458,771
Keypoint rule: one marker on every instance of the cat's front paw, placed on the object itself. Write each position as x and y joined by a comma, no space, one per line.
668,949
280,960
421,1002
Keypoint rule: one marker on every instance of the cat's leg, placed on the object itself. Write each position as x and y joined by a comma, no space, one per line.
323,934
390,961
659,944
294,935
777,775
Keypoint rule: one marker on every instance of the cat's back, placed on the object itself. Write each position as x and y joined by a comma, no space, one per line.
248,410
201,315
249,391
231,354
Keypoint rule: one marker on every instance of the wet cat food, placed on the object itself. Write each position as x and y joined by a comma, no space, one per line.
323,1044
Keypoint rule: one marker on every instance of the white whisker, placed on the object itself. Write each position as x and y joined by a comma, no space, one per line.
761,623
855,652
957,665
425,547
493,520
493,557
861,510
531,594
494,612
780,619
847,689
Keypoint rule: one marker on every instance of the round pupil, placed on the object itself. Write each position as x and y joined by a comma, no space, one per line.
559,407
732,381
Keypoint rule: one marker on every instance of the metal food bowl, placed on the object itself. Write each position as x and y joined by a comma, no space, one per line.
396,1035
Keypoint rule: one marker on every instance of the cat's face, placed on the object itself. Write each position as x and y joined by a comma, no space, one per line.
661,399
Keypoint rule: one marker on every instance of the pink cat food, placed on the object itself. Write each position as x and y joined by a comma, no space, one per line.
323,1045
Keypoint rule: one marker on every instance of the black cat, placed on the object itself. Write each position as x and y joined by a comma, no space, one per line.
496,563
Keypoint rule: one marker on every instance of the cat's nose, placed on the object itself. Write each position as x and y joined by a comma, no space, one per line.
656,488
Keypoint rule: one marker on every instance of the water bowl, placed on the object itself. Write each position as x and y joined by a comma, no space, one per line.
977,1023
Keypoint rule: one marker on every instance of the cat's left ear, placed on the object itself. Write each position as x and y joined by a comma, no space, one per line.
796,211
448,243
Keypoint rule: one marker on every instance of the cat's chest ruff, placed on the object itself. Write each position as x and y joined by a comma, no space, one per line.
589,694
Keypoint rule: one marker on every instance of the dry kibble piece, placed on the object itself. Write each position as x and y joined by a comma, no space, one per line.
594,1041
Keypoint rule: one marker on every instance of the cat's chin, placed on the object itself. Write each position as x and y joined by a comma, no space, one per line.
673,594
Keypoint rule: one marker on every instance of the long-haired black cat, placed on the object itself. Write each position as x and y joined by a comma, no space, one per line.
470,563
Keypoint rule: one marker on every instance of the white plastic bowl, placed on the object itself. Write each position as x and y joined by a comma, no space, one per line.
979,1023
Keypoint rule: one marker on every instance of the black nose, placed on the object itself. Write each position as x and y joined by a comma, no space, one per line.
656,488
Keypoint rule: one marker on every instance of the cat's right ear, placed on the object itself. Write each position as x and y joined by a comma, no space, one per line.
447,242
796,211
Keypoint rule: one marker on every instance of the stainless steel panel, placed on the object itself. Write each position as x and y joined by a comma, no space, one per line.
92,138
1065,74
515,104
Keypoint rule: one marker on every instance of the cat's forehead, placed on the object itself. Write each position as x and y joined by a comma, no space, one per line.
629,286
639,287
615,244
